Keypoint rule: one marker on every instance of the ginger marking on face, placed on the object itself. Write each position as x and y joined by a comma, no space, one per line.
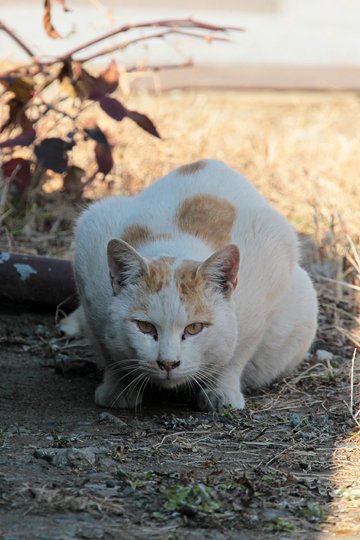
158,274
191,286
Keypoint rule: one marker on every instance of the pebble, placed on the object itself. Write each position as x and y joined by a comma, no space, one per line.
295,420
323,355
62,457
112,419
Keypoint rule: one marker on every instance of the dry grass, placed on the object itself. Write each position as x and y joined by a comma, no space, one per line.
302,152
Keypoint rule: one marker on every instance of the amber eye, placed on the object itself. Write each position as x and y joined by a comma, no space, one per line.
194,328
146,327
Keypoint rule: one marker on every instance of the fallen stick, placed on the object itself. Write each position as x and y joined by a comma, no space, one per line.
37,282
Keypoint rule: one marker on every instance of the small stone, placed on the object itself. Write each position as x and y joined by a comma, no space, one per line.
111,419
323,355
295,420
41,330
110,484
62,457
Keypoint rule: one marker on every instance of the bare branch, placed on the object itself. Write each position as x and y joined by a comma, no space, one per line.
125,44
173,24
17,40
133,69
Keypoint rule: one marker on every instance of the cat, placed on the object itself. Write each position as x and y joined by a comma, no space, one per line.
194,281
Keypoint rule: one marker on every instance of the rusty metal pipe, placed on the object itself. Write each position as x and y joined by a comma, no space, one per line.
38,282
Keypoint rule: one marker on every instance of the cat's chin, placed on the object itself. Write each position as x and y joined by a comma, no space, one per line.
170,383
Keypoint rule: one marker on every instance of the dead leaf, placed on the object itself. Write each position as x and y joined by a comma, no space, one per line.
106,82
75,80
49,28
72,183
52,154
22,87
113,108
103,158
64,6
17,116
117,111
96,134
25,138
17,171
144,122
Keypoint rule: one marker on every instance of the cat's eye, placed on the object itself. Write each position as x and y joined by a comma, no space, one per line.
194,328
146,327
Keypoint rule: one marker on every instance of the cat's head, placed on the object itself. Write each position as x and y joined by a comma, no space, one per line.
173,320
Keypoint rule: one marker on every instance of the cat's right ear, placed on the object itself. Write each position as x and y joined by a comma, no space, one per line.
125,264
222,268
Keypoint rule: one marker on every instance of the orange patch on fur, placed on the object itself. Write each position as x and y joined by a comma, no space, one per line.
192,288
191,168
209,217
137,235
159,274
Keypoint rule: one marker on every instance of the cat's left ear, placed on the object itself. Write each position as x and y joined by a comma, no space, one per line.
222,268
126,265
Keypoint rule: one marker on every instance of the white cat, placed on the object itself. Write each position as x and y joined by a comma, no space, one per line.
205,289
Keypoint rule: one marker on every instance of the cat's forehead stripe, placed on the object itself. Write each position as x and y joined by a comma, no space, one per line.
191,168
190,284
159,274
208,217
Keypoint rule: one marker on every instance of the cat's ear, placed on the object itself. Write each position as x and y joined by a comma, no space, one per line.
125,264
222,268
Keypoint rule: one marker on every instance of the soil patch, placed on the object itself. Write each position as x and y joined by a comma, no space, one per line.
71,470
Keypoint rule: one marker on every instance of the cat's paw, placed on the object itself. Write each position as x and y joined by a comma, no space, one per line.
216,400
107,396
71,325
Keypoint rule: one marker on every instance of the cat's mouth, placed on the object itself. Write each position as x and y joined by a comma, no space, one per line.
168,380
171,382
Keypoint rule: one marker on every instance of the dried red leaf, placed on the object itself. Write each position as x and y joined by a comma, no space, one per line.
62,3
72,182
52,154
106,83
76,81
17,171
113,108
25,138
144,122
103,158
22,87
96,134
116,110
49,28
17,116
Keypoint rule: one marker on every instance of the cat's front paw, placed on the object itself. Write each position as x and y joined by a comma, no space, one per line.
107,396
216,400
71,325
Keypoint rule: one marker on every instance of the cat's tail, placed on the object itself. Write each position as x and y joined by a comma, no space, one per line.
73,324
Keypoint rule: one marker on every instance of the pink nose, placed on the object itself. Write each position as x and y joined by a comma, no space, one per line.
168,365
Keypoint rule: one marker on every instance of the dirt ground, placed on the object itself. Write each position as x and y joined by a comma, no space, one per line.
285,467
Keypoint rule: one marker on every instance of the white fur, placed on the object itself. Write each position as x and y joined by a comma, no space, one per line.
260,333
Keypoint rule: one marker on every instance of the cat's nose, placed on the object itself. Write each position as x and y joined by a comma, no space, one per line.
168,365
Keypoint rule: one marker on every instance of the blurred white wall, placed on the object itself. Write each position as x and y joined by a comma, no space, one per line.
298,33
